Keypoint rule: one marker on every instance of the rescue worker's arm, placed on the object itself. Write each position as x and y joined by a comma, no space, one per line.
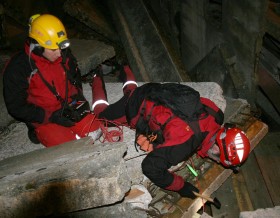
155,166
15,81
116,111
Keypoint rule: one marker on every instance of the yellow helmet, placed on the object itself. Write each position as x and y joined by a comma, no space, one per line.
48,31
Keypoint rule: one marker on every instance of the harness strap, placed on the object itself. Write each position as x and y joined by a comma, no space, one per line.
162,126
214,114
51,88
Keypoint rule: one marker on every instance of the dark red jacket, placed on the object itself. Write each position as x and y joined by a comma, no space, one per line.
26,96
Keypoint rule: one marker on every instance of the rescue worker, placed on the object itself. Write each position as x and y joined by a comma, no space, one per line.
166,136
43,88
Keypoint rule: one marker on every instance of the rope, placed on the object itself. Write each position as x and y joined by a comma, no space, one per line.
89,127
109,134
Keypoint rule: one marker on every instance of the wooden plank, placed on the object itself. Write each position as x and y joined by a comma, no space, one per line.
256,131
267,155
241,192
272,20
229,208
255,183
210,182
270,86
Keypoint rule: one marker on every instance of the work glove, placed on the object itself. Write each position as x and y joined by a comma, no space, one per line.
59,119
187,190
76,110
70,114
144,143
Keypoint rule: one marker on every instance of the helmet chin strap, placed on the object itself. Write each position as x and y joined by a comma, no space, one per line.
235,169
216,158
63,55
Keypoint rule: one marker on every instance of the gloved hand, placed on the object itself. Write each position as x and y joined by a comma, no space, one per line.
77,109
59,119
187,190
144,143
70,114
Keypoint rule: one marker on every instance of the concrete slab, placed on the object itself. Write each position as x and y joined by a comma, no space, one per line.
266,212
90,53
69,177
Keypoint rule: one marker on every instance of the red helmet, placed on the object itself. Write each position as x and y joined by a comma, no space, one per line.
234,146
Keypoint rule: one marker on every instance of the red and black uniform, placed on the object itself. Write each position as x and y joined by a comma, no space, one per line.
28,99
179,140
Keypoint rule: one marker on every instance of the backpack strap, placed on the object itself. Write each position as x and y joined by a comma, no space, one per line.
142,126
194,125
219,116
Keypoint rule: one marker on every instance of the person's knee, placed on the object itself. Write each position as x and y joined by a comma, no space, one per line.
52,134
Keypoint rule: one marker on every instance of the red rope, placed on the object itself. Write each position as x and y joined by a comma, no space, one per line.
111,131
91,122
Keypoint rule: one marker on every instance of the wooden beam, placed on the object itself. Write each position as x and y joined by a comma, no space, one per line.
267,155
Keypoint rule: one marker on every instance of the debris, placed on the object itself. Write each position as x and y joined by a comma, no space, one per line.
139,197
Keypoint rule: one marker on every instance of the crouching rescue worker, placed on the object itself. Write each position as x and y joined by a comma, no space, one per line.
43,89
172,123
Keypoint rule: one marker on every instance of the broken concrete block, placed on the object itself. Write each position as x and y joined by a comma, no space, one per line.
139,197
210,90
14,141
90,53
266,212
73,176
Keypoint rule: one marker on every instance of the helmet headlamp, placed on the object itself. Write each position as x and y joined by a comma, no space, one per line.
64,44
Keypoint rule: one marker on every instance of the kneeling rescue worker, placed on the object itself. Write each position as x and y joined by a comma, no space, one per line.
172,122
43,88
